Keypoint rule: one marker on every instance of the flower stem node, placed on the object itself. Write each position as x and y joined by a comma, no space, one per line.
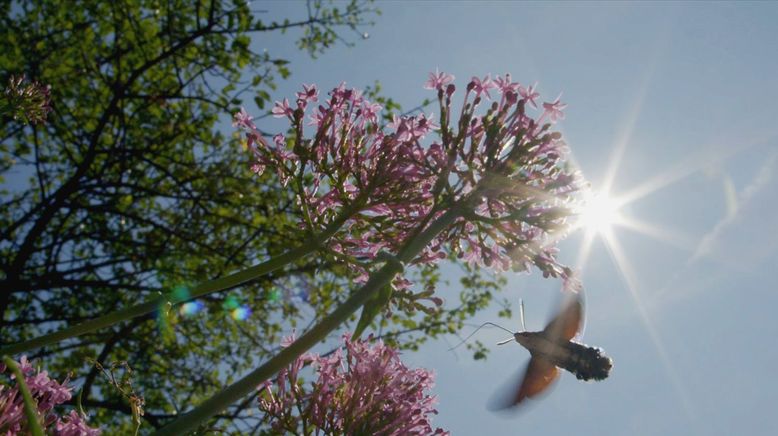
391,259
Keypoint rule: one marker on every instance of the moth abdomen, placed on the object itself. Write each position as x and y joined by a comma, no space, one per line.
586,363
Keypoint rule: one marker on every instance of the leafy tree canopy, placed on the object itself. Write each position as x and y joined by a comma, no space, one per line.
129,190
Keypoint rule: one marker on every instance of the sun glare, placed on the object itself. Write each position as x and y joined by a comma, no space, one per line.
599,213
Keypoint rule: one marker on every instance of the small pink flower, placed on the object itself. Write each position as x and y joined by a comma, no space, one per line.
341,95
505,85
309,94
554,110
288,340
482,86
350,190
529,94
243,119
436,154
282,109
371,111
423,125
317,119
258,168
438,80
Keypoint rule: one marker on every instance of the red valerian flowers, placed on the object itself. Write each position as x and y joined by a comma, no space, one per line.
504,168
47,393
366,391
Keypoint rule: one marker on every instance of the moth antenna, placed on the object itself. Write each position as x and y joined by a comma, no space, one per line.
521,313
505,341
476,331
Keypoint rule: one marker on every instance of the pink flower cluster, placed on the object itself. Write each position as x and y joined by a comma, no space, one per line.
381,179
47,393
369,391
513,169
505,168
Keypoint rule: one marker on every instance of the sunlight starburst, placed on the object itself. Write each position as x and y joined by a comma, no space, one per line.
599,213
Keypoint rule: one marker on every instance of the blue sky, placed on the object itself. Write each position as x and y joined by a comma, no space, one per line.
680,100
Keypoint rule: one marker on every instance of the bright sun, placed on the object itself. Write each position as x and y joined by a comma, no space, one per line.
599,213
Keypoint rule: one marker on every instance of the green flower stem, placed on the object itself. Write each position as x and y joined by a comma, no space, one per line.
208,287
248,384
30,407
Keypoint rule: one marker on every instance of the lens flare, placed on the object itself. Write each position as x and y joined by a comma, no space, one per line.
230,303
241,313
191,308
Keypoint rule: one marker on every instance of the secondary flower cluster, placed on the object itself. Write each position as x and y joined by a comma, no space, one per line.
503,167
367,391
47,393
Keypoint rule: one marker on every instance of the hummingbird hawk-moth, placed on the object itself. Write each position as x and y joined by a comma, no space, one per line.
553,348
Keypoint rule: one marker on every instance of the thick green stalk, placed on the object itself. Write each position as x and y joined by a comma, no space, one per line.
248,384
208,287
30,407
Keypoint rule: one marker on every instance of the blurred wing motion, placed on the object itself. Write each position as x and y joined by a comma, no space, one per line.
539,376
568,321
536,379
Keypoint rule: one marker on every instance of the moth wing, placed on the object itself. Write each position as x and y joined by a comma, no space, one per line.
569,321
539,376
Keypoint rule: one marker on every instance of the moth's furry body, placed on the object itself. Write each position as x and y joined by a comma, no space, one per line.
586,363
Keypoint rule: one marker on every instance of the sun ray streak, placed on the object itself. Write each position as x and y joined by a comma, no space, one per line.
585,250
634,112
672,237
626,270
691,165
